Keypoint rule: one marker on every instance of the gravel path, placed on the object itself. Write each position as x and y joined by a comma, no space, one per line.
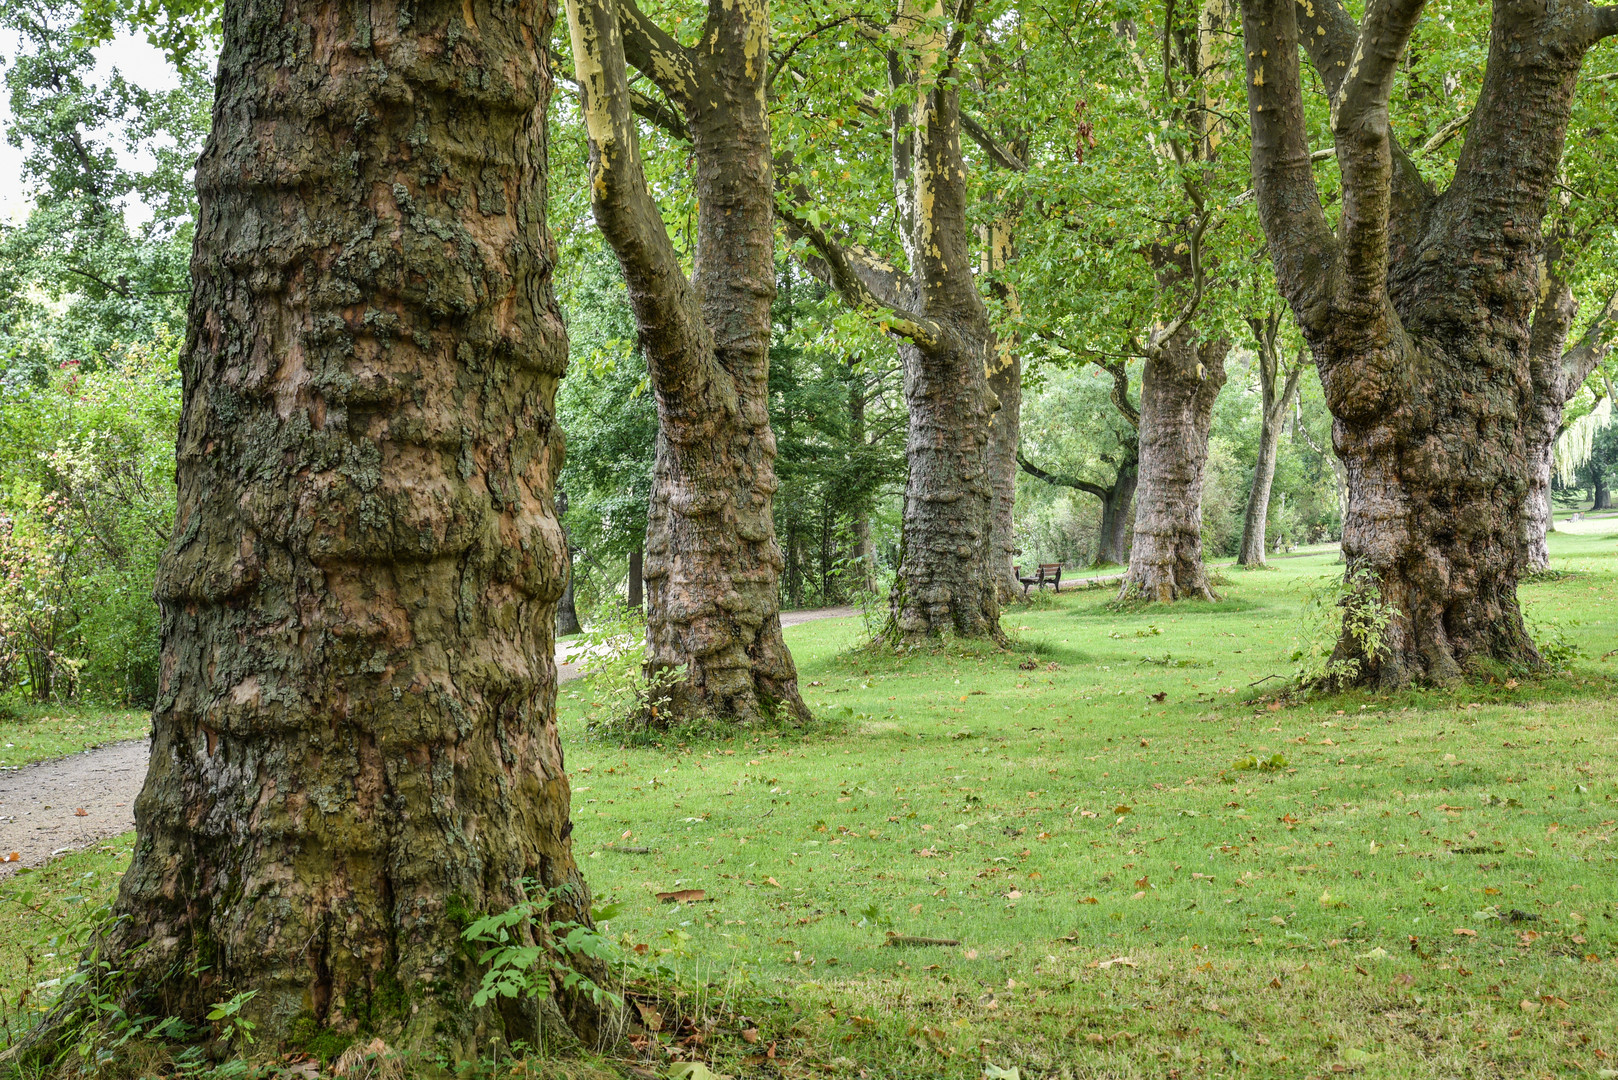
53,807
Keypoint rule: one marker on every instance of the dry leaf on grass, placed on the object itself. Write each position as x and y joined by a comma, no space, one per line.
682,896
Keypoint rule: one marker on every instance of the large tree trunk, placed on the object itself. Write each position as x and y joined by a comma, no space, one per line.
1177,395
945,582
713,564
948,578
1602,496
1117,517
354,742
1273,411
1420,311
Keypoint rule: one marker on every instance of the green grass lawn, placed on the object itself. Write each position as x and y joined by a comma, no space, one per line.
1128,897
1152,867
30,732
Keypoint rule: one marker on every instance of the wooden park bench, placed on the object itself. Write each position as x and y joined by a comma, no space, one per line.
1047,574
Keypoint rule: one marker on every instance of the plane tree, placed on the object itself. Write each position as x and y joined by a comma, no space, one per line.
354,742
1420,303
713,564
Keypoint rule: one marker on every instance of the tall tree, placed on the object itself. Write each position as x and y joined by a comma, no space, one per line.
1556,376
946,339
355,740
1275,401
1419,308
1185,368
712,566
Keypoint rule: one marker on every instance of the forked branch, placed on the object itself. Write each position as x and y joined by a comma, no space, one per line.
1360,127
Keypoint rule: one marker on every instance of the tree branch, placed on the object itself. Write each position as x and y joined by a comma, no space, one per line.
1120,391
864,283
1300,240
1596,342
1060,481
1364,140
1330,39
997,153
1160,338
657,55
630,220
659,113
1606,21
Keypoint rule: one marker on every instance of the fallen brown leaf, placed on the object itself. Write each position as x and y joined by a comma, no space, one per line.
682,896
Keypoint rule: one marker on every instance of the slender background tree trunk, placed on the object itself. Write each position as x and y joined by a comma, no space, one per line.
1276,401
354,742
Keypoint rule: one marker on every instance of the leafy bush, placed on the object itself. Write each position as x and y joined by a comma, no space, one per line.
86,506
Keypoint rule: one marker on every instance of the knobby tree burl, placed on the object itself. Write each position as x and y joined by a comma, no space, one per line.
354,743
946,340
1420,308
713,566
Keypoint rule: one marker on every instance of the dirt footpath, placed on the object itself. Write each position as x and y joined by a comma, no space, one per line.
53,807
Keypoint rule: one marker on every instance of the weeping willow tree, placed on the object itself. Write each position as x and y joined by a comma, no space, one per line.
1577,441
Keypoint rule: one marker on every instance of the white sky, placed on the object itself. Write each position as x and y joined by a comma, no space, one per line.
140,64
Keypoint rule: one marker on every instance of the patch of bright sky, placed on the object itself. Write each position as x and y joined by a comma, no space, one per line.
139,62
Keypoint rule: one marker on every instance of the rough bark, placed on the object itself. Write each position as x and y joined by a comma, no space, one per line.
354,743
1556,377
1177,395
1419,309
1601,497
713,564
1274,407
946,345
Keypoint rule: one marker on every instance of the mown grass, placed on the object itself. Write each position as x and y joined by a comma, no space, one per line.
1132,894
34,732
1128,897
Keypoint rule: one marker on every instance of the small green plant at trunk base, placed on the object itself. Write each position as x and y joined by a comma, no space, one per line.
525,960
